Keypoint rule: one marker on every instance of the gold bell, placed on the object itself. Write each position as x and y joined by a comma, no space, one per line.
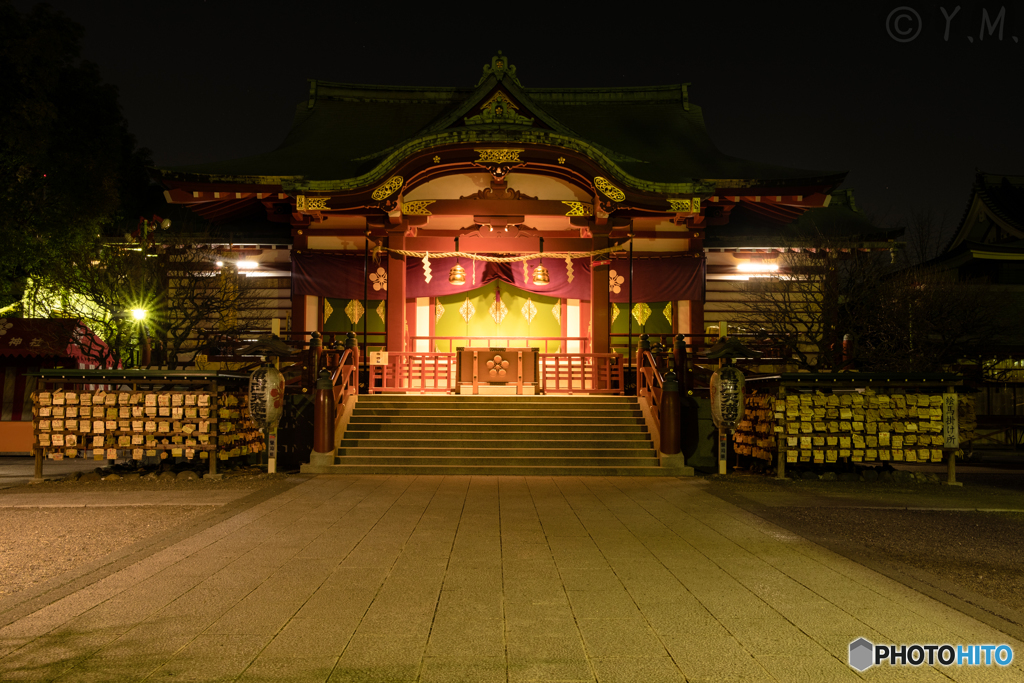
540,277
457,275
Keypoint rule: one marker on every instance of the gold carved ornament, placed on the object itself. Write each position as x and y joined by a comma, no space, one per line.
498,310
304,203
498,156
418,207
393,185
498,110
641,313
608,190
578,209
354,310
685,205
529,310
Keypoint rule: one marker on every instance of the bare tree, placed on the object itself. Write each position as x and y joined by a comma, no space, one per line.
205,302
926,234
173,298
814,300
928,320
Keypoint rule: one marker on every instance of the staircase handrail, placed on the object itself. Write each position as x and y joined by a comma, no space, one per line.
649,383
345,376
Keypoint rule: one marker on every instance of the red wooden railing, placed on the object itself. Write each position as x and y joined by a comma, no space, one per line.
649,383
344,367
502,342
581,373
411,371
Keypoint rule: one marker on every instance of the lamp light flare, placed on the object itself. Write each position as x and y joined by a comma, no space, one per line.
139,313
247,265
220,264
758,267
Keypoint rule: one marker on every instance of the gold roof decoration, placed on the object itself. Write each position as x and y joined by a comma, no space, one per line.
390,186
608,190
498,110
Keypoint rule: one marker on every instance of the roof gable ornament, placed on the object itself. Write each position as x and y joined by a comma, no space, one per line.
499,68
498,110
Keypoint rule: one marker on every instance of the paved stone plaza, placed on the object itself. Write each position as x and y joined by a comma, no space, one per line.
458,578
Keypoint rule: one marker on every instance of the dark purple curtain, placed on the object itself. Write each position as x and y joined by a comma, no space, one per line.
671,278
486,272
339,276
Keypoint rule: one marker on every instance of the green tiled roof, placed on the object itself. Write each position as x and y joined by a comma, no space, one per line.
351,133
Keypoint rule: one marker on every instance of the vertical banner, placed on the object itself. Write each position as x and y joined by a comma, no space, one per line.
950,422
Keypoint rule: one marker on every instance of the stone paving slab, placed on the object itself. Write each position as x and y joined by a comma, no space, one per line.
457,578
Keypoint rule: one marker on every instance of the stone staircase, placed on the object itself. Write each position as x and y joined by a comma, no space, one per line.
517,435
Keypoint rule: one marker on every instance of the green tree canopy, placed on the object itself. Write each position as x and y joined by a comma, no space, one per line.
69,168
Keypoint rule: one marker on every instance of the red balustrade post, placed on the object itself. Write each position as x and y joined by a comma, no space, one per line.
323,414
670,437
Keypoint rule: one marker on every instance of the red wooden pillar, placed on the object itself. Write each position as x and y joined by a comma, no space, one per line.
600,322
396,292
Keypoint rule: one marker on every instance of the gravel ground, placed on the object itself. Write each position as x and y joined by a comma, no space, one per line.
982,552
37,544
41,543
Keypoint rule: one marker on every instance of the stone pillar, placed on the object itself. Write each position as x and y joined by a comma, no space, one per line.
600,321
396,292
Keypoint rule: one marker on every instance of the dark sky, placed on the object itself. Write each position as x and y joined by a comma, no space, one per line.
812,85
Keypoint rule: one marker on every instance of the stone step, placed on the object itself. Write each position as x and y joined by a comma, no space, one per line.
525,441
496,461
513,452
496,435
452,398
575,430
468,435
497,421
496,413
497,470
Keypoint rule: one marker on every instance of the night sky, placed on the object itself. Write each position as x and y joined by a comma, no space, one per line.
820,86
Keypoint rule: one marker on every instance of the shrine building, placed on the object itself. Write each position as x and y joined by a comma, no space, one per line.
568,220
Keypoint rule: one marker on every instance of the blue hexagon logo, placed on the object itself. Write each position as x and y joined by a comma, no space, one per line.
861,654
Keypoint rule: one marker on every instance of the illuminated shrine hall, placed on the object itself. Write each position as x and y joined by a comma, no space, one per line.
497,215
